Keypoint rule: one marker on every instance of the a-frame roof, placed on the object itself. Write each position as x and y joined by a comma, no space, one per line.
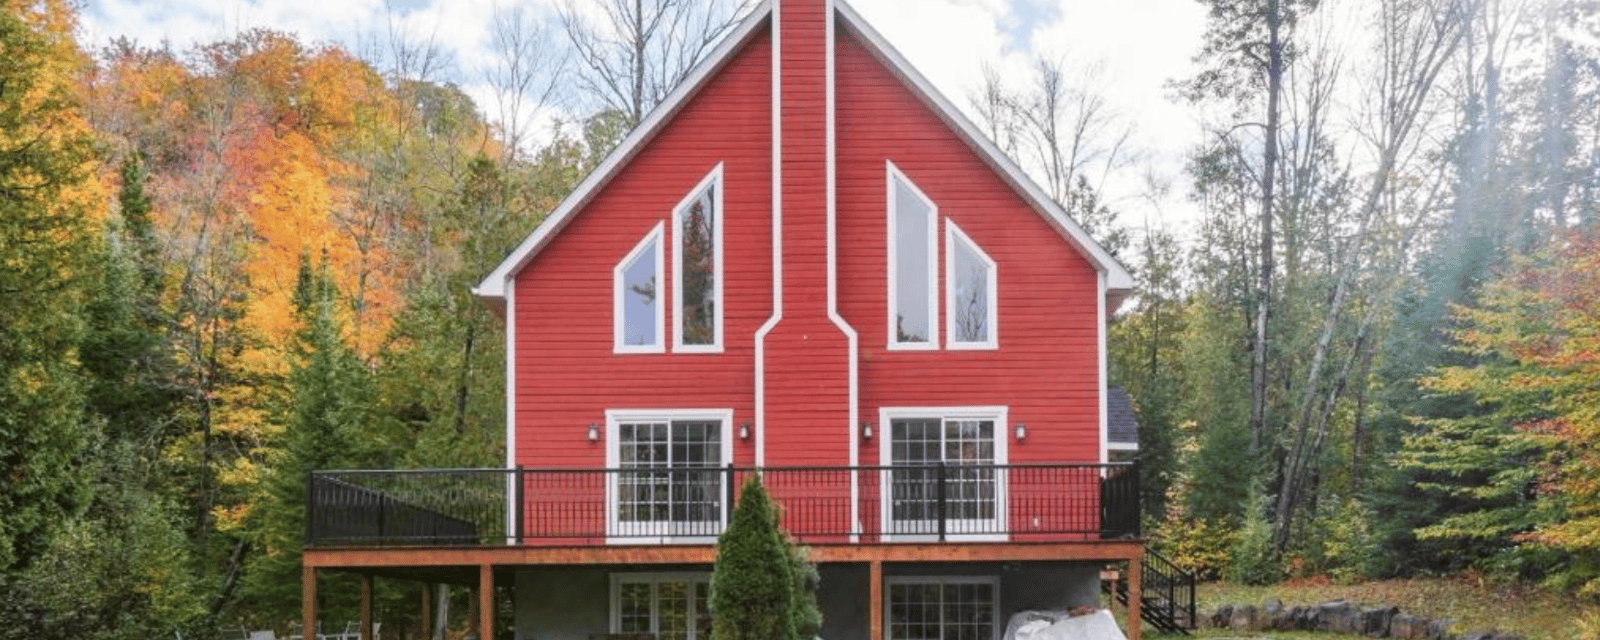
492,290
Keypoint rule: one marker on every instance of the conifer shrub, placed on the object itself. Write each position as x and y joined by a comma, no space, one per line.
753,584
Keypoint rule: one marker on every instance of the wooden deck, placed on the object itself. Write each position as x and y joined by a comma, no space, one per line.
477,566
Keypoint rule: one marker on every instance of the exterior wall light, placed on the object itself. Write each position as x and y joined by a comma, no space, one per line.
744,431
594,432
866,430
1022,431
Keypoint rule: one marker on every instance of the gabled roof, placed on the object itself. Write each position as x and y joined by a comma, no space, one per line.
492,290
1122,424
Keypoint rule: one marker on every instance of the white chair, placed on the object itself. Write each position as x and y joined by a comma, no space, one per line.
266,634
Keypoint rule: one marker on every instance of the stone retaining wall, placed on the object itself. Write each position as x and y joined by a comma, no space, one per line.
1341,616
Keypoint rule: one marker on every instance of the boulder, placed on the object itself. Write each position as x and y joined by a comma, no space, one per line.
1220,618
1408,627
1302,618
1245,618
1273,616
1375,620
1338,616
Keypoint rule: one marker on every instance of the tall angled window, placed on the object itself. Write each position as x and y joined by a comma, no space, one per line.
636,305
913,256
697,267
971,291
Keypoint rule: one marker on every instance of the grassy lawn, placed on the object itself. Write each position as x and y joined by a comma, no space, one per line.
1534,614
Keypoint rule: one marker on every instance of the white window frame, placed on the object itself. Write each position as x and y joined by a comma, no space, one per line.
996,529
888,598
654,578
713,182
619,325
952,235
662,532
894,176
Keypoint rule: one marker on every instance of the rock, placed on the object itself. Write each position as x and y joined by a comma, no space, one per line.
1302,618
1408,627
1338,616
1220,618
1273,616
1481,634
1245,618
1375,621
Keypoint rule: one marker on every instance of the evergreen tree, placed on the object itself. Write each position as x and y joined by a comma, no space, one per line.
45,241
753,585
328,419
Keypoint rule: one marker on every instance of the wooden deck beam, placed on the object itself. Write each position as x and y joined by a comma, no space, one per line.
420,557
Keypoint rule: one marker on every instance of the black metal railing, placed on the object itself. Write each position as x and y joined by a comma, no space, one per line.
1166,594
903,503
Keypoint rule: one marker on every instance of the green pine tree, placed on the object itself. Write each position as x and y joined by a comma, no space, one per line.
753,585
45,243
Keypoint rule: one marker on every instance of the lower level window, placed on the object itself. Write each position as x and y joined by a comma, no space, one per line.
942,608
668,606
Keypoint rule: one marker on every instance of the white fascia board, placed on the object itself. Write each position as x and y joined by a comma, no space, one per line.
492,289
1117,276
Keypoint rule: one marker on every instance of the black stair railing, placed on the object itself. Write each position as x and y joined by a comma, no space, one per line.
1166,591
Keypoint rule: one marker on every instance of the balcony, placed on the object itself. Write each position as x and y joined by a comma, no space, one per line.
690,505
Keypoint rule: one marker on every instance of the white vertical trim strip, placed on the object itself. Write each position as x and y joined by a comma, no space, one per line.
1100,326
511,375
854,372
777,242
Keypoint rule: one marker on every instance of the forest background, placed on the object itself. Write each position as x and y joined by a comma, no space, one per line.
1378,354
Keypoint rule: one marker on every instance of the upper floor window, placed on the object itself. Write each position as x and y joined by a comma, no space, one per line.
970,292
913,257
636,314
697,267
971,314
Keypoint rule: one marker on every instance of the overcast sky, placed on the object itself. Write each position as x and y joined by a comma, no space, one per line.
1141,43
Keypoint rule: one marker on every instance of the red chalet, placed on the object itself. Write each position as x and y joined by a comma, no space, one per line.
808,262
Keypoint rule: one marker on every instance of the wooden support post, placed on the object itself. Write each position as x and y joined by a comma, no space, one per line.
875,601
308,601
1135,594
486,602
427,611
366,607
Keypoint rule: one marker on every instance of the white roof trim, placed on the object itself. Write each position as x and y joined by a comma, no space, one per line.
1117,276
492,290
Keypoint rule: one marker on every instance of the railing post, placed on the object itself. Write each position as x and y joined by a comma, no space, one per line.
311,508
727,505
516,494
939,493
1138,501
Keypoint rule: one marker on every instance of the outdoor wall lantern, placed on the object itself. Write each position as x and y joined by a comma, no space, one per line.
866,430
1022,431
744,431
594,432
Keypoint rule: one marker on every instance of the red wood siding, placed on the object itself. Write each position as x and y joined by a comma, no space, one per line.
807,357
566,375
1046,370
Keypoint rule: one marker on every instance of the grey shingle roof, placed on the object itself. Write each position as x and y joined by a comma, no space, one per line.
1122,426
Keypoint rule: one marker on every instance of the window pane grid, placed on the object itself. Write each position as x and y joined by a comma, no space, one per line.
941,611
677,481
969,493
